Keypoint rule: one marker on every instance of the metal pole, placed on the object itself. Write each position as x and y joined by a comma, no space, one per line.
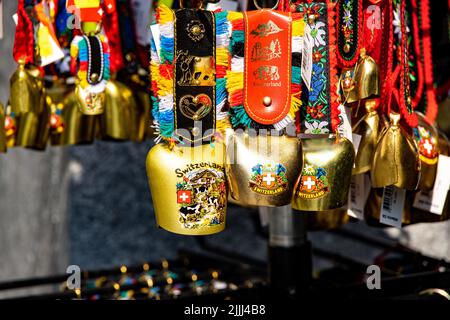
290,257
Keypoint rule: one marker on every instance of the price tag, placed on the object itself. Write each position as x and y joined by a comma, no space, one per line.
156,39
434,200
358,194
345,126
307,57
392,205
226,5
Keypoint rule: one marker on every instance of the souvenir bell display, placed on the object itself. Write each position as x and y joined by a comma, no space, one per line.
396,161
186,172
325,179
263,162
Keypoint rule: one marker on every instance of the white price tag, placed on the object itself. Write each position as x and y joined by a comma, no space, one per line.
226,5
308,43
356,142
345,126
15,18
357,196
392,205
434,200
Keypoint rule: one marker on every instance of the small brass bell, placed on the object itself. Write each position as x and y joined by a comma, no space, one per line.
368,128
3,143
33,129
188,188
115,122
325,179
426,138
361,82
326,220
396,160
26,90
90,103
261,170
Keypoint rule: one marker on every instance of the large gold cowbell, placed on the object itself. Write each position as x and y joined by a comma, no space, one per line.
325,179
188,188
396,161
262,170
26,91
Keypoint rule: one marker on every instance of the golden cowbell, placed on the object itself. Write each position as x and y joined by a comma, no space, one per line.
3,143
368,128
424,216
426,138
188,188
33,129
396,161
364,83
326,220
372,208
261,170
325,179
115,122
26,90
90,103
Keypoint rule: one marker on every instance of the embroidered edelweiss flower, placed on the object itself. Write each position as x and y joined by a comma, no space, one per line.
316,127
397,23
309,169
317,32
347,19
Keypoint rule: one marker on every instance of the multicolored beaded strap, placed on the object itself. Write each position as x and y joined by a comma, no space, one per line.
320,114
349,32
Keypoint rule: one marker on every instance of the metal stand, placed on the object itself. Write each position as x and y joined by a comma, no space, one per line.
290,256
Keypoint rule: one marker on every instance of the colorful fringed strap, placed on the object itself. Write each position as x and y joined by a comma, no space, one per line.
349,32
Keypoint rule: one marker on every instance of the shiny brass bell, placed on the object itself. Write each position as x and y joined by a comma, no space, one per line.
325,179
368,128
426,138
261,170
327,220
361,82
396,161
188,188
26,90
90,102
115,122
3,143
33,129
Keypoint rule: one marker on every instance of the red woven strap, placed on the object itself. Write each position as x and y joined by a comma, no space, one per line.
24,38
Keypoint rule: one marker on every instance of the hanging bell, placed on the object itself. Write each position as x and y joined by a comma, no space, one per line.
325,179
426,138
396,160
368,128
3,143
361,82
10,127
26,90
326,220
115,122
140,115
261,170
188,188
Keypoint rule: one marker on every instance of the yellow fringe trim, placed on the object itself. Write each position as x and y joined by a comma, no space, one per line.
235,81
235,15
298,28
222,56
296,104
165,14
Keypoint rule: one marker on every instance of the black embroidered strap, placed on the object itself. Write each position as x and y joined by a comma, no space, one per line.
349,31
95,59
195,78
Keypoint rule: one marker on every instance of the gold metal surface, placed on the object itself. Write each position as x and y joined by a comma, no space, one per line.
33,129
188,188
326,220
262,170
3,143
196,71
368,128
325,179
115,122
26,90
90,104
396,161
426,138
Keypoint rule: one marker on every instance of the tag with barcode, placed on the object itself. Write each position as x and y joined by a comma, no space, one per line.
345,125
307,56
392,205
434,200
358,194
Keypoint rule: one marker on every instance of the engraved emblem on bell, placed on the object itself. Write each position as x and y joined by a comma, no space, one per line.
195,71
195,30
325,179
269,178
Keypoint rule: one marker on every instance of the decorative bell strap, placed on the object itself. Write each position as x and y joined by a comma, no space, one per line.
195,75
349,32
24,37
267,72
112,31
320,114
